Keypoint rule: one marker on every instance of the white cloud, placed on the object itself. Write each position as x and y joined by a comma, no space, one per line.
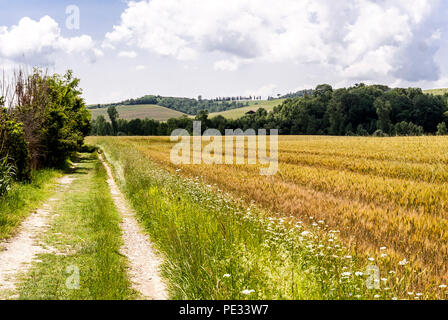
36,42
127,54
361,38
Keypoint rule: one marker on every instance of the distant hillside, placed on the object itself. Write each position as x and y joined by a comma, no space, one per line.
253,106
186,105
142,111
439,92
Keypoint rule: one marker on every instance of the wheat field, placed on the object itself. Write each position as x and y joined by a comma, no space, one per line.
387,198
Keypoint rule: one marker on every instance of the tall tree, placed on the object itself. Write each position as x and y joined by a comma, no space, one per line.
113,116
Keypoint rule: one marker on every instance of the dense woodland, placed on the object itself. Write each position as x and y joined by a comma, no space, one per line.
187,105
43,120
360,110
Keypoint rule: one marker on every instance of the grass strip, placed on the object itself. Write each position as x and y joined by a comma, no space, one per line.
23,198
84,241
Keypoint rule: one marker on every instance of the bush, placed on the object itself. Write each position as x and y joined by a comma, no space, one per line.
360,131
408,129
7,173
379,133
442,129
13,146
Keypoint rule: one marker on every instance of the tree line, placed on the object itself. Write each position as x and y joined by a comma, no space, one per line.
359,110
43,120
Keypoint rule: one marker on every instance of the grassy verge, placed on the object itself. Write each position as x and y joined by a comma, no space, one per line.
218,248
85,237
23,198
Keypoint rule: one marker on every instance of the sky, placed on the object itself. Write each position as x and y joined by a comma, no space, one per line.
126,49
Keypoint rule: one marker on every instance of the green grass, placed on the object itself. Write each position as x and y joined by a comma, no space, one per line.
140,112
436,91
216,247
87,236
253,106
23,198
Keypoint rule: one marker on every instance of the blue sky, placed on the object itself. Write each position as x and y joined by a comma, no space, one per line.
235,47
98,17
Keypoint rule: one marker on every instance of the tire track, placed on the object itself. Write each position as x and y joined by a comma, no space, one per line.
144,263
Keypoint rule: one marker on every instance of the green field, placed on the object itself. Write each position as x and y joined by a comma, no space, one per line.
140,112
253,106
436,91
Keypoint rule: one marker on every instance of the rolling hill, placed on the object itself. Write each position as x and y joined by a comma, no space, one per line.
254,106
436,91
142,111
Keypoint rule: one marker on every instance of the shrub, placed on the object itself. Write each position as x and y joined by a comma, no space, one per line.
408,129
7,173
379,133
13,146
442,129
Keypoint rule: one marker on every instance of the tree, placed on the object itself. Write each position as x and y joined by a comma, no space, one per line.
53,114
203,117
103,128
113,116
383,110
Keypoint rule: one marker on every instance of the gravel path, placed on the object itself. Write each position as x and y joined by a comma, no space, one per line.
17,253
144,263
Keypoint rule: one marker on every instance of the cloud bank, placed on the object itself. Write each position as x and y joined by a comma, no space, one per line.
37,42
362,39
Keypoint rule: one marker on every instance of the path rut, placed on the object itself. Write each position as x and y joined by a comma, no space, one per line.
16,254
144,269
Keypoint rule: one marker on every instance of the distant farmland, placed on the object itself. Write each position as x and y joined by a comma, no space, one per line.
140,112
436,91
254,106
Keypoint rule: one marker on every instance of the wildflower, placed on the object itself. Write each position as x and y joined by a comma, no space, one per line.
359,274
442,286
403,262
305,233
383,279
384,255
320,221
394,298
377,296
226,275
371,259
246,291
419,294
383,248
348,257
392,272
346,274
411,293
